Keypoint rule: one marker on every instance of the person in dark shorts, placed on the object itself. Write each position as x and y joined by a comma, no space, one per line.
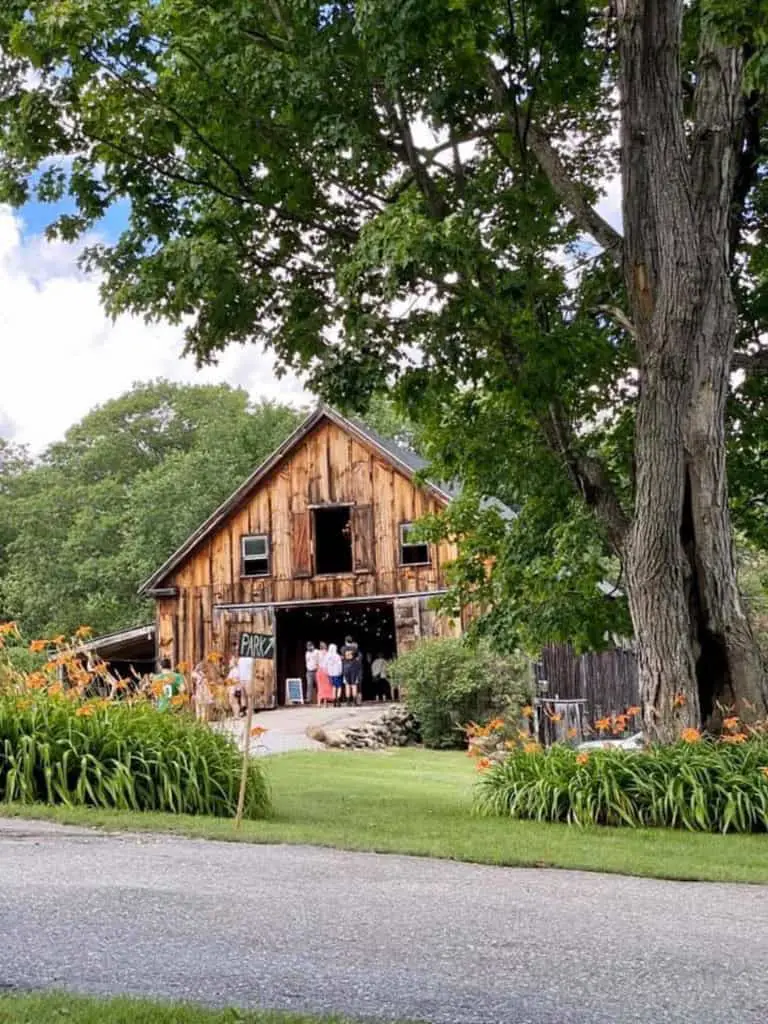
352,665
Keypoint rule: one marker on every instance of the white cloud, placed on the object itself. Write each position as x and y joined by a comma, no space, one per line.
61,355
610,203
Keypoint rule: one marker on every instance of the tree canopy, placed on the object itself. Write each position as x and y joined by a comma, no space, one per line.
102,509
404,195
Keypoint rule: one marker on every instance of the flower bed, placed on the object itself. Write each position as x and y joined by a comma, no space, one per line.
700,784
61,745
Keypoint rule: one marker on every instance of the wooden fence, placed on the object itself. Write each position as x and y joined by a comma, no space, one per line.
607,681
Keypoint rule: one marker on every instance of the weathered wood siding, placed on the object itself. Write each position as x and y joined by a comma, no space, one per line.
416,620
328,467
606,680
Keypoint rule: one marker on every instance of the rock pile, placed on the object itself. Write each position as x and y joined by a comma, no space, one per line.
396,727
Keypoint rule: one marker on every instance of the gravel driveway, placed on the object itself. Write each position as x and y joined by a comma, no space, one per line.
381,937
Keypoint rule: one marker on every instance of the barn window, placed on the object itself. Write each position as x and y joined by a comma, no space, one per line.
255,555
412,551
333,540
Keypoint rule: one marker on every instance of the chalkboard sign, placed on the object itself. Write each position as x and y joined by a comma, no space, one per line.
256,645
294,691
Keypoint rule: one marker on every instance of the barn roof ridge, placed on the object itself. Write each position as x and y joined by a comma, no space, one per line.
406,461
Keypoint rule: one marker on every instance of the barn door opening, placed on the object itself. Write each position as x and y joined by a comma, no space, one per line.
371,625
333,540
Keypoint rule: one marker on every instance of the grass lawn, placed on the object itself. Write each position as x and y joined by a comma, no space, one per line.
420,802
58,1008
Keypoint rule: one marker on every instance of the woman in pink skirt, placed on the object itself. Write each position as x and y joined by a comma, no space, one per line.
324,688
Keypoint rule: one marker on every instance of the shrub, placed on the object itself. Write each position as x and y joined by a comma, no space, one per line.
448,684
127,756
700,785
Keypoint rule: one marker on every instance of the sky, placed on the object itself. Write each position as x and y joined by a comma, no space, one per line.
60,356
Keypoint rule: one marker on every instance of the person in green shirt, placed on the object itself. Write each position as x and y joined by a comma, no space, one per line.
171,683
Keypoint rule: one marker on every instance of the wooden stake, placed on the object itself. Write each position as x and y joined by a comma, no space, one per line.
246,748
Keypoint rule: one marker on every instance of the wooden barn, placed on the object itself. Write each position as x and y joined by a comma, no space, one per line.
316,544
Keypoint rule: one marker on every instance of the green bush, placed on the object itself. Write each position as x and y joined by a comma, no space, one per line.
706,786
119,755
448,684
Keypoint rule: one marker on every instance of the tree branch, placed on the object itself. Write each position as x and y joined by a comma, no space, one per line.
569,191
621,319
587,473
589,477
399,118
747,166
751,362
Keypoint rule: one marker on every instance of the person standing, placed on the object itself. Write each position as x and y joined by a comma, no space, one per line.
333,667
324,688
202,689
170,684
380,674
311,662
235,692
352,660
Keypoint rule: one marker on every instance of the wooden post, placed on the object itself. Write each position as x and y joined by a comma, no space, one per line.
246,749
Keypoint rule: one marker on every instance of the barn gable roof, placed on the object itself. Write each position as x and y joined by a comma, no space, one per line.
401,459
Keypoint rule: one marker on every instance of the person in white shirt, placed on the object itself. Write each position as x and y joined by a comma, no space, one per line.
334,670
310,680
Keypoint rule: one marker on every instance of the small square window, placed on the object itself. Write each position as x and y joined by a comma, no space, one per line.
412,551
255,552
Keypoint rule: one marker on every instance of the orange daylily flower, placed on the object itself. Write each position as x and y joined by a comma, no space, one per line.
736,737
730,723
764,770
582,758
483,764
495,724
532,747
634,710
572,734
83,632
602,724
38,645
84,711
690,735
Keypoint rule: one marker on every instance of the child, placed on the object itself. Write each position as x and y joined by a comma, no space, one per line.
334,670
235,690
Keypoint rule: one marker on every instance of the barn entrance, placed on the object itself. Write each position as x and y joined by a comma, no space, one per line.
372,625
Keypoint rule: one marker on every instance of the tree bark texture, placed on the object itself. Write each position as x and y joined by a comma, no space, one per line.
696,648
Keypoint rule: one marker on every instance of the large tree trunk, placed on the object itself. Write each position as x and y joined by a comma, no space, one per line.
696,649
